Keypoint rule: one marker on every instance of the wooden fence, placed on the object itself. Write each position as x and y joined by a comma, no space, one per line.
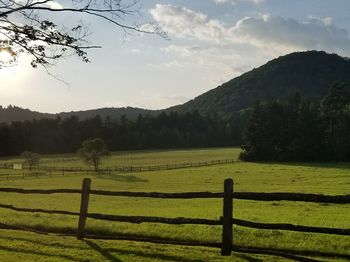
226,221
62,171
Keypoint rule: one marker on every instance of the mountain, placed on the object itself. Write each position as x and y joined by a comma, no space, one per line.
14,113
130,112
310,73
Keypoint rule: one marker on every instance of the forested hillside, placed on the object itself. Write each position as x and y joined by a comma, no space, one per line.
290,122
146,132
301,130
15,113
308,73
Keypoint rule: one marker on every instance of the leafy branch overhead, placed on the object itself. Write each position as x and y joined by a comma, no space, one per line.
25,28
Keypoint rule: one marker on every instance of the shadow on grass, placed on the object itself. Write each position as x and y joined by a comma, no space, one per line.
338,165
103,252
120,178
247,258
157,255
45,244
39,253
106,252
109,254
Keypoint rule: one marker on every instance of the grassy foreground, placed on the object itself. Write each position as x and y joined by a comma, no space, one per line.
333,179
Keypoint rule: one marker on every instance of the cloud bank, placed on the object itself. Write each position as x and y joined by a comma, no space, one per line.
223,51
282,33
233,2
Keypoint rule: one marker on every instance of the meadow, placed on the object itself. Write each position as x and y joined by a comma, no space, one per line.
139,158
331,179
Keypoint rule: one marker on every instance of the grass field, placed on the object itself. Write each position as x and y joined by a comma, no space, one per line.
333,179
139,158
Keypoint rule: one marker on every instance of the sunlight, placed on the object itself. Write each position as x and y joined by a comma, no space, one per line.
5,56
12,73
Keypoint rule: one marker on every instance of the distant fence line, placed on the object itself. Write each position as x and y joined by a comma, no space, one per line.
61,171
226,221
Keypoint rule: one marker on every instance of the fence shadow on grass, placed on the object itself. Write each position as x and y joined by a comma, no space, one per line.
120,178
102,251
248,258
226,221
39,253
38,243
106,252
337,165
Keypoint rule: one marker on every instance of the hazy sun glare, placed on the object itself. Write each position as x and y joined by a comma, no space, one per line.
5,56
12,74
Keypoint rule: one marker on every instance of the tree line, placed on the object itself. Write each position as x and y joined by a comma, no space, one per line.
300,130
167,130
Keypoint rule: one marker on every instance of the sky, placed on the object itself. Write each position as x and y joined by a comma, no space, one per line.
209,43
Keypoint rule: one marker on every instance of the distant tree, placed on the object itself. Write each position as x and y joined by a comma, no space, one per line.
31,159
337,98
92,151
306,140
335,108
256,136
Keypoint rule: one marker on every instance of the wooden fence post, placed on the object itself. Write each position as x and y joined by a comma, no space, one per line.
84,204
227,228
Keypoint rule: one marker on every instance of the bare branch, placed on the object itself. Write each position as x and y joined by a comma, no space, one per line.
45,42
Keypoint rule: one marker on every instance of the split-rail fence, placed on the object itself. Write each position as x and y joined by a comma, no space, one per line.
53,171
226,221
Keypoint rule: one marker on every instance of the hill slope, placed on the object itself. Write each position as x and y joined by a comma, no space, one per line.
309,73
130,112
14,113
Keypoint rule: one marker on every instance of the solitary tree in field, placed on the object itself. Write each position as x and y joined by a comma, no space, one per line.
31,27
92,151
30,158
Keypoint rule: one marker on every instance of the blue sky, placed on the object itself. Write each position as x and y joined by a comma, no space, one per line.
211,41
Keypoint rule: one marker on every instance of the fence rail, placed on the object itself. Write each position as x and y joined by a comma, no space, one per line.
226,221
255,196
125,169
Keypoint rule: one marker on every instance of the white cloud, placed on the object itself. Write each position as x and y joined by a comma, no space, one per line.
292,35
183,22
54,5
213,64
51,3
328,21
136,51
218,52
233,2
272,33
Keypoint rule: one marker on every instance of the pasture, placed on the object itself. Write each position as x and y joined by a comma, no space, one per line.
139,158
331,179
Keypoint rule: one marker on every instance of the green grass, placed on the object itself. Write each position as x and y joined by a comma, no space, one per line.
333,179
140,158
